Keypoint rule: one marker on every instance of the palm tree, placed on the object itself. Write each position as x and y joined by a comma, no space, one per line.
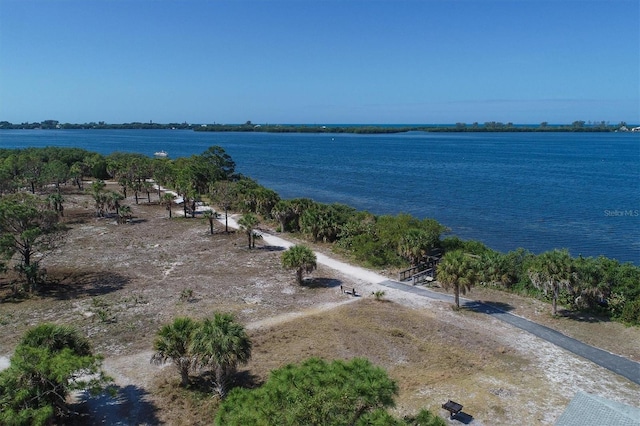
414,245
311,222
223,193
97,188
77,173
494,269
283,212
301,258
173,343
265,199
124,214
113,201
54,201
148,188
299,205
221,344
210,215
552,271
248,223
457,270
167,199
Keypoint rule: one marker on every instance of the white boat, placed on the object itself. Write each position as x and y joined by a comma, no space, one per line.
160,154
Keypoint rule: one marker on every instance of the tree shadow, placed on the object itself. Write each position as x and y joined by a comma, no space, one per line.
271,248
484,307
77,218
129,405
205,381
462,417
247,380
71,284
588,317
135,220
321,282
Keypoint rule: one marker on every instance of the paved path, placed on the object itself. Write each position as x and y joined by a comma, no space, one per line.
619,365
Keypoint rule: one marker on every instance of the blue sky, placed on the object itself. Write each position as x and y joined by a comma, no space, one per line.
306,61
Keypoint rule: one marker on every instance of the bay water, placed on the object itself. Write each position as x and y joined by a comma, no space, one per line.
539,191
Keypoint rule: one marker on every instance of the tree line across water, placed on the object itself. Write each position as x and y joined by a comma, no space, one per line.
31,211
488,126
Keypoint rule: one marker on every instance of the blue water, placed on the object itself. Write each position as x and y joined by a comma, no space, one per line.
539,191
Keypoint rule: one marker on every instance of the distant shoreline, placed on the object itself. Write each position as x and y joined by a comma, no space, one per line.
487,127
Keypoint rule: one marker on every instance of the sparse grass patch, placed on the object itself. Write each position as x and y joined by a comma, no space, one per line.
135,299
186,295
431,360
192,406
379,295
396,332
105,315
99,302
5,319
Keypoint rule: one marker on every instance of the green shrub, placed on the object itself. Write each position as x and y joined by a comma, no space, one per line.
631,313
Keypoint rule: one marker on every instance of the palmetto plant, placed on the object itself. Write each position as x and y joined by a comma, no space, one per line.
459,271
124,214
167,200
248,223
221,344
552,271
210,215
173,343
301,258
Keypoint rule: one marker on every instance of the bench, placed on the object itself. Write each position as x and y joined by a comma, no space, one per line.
348,291
452,407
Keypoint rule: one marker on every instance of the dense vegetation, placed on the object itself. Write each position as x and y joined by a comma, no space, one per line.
601,285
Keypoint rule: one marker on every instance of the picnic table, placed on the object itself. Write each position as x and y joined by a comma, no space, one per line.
452,407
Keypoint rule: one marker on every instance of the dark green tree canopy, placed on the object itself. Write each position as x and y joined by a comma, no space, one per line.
313,393
49,362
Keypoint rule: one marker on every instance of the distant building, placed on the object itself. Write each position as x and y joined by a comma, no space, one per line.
591,410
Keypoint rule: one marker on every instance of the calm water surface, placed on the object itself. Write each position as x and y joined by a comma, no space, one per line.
538,191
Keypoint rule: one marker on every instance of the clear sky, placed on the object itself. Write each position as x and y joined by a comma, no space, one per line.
322,62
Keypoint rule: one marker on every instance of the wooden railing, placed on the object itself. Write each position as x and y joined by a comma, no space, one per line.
423,271
410,272
423,276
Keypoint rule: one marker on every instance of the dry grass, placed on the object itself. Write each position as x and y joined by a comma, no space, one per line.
120,283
